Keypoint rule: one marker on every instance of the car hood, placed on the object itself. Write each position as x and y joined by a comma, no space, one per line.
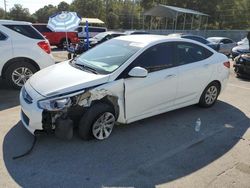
241,48
64,78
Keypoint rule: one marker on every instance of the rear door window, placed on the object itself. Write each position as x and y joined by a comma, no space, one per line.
26,30
190,53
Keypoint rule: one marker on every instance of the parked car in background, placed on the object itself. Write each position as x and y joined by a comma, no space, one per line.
242,65
241,49
225,44
197,38
57,38
122,80
93,31
135,32
243,41
102,37
23,51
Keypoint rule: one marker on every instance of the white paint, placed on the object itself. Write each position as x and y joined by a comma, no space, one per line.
138,98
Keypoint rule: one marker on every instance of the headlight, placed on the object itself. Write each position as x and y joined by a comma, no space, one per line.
58,103
54,104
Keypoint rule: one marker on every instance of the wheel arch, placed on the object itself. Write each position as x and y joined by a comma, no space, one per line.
218,82
16,60
111,101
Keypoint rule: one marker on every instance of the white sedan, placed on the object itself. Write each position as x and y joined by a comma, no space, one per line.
225,44
123,80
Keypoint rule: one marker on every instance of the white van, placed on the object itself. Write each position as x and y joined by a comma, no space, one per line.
92,31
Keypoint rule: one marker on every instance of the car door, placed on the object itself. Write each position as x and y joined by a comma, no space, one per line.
195,67
6,52
226,46
156,92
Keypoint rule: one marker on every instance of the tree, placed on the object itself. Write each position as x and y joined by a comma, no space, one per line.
2,13
20,13
42,15
112,20
63,6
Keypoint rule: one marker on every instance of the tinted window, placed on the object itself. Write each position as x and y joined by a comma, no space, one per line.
2,36
226,41
157,57
42,28
98,30
26,30
199,39
189,53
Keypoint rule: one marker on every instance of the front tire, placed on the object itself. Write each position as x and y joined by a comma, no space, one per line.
209,95
97,122
17,74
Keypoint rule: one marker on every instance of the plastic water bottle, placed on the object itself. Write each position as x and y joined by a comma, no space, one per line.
198,125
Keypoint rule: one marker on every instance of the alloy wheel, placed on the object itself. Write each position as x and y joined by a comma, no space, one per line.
21,75
103,126
211,94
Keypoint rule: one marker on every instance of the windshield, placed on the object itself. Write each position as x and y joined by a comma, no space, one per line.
108,56
100,35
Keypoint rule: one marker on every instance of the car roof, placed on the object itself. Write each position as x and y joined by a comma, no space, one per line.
129,32
113,32
184,35
12,22
147,39
217,38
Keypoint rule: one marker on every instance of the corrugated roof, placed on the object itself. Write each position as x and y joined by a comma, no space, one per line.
171,11
92,20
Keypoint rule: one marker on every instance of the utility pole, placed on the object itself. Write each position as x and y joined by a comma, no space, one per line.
5,9
132,18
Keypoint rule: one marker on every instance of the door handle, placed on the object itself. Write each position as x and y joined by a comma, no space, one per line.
170,76
206,65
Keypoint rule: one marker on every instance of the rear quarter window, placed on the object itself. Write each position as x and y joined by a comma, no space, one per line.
26,30
2,36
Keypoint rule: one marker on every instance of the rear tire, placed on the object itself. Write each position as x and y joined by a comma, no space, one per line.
18,73
209,95
63,43
97,122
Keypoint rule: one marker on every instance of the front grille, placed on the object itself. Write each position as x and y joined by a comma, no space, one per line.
26,96
25,118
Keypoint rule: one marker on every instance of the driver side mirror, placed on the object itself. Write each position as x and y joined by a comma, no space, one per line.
138,72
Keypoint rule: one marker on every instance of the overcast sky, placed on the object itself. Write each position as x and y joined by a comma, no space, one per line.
32,5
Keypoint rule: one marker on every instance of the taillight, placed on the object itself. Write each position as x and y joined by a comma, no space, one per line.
227,64
45,46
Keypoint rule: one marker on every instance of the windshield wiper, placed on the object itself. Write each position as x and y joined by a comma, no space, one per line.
90,69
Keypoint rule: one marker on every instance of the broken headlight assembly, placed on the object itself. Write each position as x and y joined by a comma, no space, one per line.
54,104
59,103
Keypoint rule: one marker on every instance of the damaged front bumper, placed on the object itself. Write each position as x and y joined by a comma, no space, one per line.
31,115
54,114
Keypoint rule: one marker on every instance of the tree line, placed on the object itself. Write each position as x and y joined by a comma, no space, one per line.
128,14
